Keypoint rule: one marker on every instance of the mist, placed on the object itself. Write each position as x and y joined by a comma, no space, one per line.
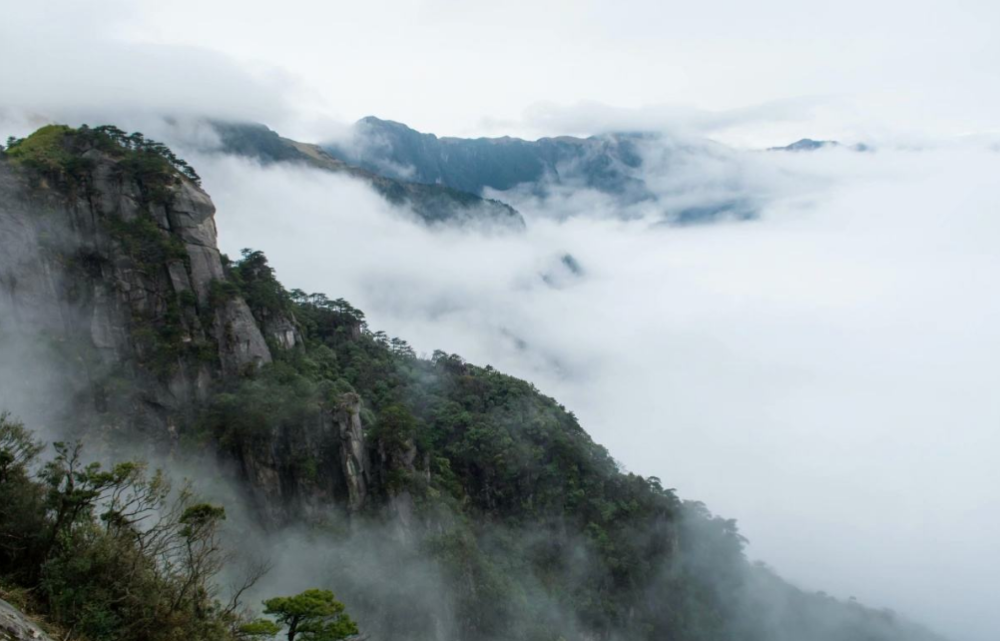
823,374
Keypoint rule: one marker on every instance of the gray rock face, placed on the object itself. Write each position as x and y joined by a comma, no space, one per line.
241,344
15,626
353,455
117,325
108,296
293,472
283,332
400,504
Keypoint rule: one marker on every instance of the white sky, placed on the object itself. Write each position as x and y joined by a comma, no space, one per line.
778,69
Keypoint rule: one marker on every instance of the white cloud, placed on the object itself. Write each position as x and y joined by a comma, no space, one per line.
73,64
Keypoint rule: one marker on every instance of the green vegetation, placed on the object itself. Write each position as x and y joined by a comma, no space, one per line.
158,331
313,615
48,150
66,158
108,553
538,532
487,449
61,154
149,246
118,554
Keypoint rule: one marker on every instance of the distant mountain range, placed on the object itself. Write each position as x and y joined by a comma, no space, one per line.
607,163
808,144
448,180
635,170
433,203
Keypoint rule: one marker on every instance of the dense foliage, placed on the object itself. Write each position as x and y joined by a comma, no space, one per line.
118,555
518,502
313,615
108,554
62,154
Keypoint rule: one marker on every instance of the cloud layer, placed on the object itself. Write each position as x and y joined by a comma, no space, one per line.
824,374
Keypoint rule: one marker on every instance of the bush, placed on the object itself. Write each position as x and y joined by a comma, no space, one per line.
57,152
113,554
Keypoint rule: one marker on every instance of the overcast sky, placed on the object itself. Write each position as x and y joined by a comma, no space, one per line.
752,72
826,375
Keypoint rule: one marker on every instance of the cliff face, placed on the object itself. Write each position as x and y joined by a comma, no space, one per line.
117,316
108,274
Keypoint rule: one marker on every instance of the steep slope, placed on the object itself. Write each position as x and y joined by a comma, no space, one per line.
434,203
110,259
445,500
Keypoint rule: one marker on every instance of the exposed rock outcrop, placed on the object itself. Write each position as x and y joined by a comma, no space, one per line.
353,454
294,474
102,272
15,626
118,314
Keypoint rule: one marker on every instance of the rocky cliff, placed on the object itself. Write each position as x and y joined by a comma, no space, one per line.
109,271
117,308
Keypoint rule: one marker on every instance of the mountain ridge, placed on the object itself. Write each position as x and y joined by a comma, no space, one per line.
434,204
474,164
632,174
809,144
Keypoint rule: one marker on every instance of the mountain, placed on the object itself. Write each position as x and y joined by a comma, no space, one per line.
442,500
678,181
606,163
433,203
808,144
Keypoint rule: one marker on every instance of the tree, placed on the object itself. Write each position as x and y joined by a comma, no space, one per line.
17,447
313,615
22,502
